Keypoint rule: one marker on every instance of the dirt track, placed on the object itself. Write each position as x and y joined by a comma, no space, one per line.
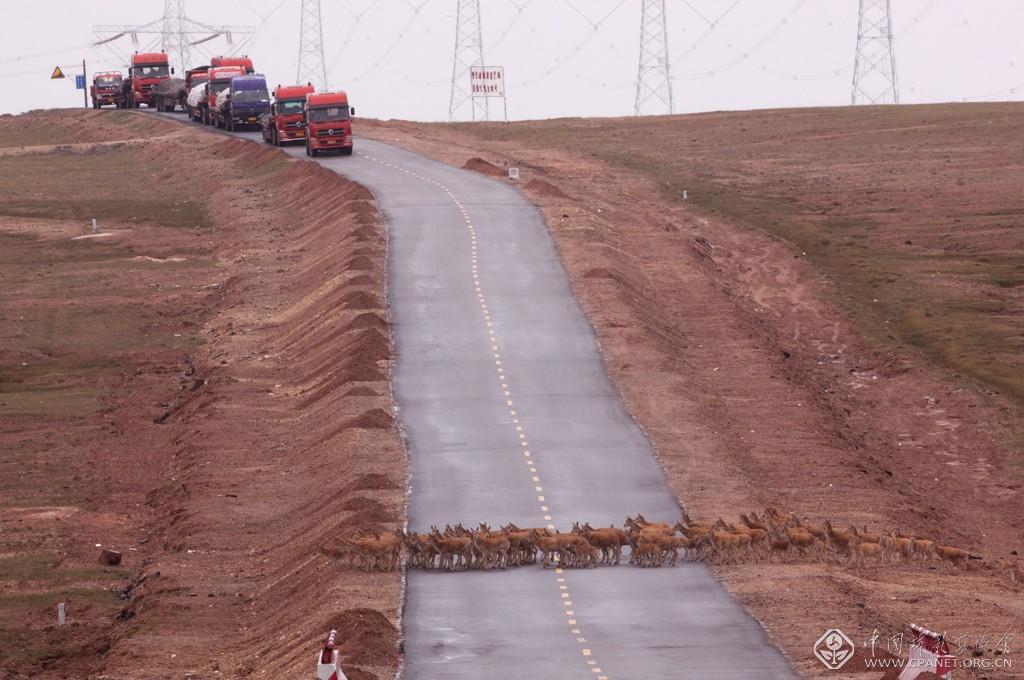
192,389
757,383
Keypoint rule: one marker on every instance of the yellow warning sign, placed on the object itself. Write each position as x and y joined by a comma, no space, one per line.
57,73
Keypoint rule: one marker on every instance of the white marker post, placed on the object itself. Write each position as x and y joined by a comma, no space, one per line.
94,225
513,173
62,615
328,662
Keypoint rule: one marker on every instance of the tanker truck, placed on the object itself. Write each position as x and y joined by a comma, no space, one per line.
220,79
243,102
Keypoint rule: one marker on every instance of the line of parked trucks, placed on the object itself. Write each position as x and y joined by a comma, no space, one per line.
229,94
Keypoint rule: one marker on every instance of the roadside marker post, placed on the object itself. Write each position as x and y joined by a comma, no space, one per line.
929,653
328,661
62,614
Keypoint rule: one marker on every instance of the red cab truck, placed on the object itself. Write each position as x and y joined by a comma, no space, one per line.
327,118
284,122
220,80
146,72
194,77
106,89
243,61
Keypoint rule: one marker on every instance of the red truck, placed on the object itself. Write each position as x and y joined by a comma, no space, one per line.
243,61
146,72
219,80
194,76
327,118
284,122
106,89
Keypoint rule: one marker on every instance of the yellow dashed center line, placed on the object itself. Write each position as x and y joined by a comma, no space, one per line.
564,593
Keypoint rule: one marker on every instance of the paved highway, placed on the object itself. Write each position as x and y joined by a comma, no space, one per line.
510,416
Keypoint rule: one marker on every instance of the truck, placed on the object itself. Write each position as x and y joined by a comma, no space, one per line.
168,94
283,123
327,118
243,102
194,102
219,80
196,75
195,78
106,89
243,61
145,73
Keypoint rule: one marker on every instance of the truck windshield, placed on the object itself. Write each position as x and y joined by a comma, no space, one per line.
108,81
218,86
251,96
152,71
328,113
287,107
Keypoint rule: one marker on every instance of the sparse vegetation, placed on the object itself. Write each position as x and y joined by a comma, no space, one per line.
913,215
113,184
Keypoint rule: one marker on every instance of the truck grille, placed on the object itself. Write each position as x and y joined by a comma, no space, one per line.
331,132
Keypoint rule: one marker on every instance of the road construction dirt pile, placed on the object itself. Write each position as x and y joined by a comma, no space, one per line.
220,414
758,384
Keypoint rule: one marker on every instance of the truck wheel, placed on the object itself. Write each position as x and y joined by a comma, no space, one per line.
346,151
274,139
231,124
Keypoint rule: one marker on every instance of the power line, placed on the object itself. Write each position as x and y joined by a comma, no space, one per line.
174,32
567,56
394,43
745,55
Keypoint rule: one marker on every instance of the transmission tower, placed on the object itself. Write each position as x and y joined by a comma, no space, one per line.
874,71
175,33
311,46
469,52
175,42
653,78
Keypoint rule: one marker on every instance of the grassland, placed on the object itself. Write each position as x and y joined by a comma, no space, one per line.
913,213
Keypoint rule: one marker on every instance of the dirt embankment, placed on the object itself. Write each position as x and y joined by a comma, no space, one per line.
202,386
757,382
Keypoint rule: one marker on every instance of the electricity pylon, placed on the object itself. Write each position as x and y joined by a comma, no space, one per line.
653,78
312,68
175,42
469,52
874,71
175,33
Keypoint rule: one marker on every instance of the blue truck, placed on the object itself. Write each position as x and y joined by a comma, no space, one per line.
243,102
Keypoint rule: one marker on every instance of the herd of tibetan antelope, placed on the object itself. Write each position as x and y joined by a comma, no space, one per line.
769,536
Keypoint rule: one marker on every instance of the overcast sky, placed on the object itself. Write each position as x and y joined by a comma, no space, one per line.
562,57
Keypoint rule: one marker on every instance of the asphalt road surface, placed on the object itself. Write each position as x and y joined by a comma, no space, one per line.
510,417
